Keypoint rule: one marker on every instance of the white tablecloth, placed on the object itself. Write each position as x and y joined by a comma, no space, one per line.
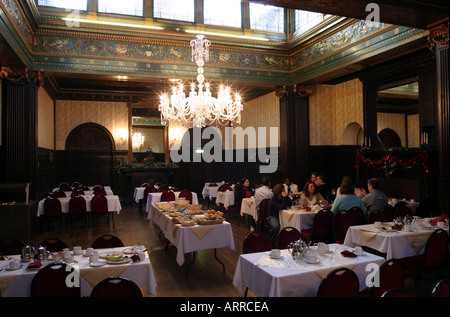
211,192
248,207
190,239
398,244
108,191
268,277
156,198
410,204
299,219
225,198
17,283
113,204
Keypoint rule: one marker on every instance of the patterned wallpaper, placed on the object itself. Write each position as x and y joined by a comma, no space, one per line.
70,114
46,122
332,108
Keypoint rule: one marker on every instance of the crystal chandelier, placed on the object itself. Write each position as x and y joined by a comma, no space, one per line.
137,140
200,108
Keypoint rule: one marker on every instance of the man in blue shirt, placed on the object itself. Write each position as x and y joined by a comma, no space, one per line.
375,199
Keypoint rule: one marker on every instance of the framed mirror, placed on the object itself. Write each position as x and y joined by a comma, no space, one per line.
147,134
398,123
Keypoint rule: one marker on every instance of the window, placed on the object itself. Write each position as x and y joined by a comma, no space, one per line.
181,10
220,12
307,18
128,7
267,18
65,4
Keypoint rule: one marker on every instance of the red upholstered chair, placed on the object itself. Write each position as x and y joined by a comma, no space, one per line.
263,214
322,229
342,221
224,188
395,293
256,242
50,281
77,208
342,282
65,187
148,190
10,246
434,256
388,212
377,215
53,210
186,194
391,275
286,236
77,192
441,289
116,287
107,241
99,207
99,191
76,184
168,195
358,214
400,210
59,193
54,244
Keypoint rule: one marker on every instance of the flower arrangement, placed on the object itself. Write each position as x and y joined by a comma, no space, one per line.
390,163
149,159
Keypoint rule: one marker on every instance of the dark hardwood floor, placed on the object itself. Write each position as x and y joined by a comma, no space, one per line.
205,278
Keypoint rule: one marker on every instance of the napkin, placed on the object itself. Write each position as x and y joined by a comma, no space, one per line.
327,207
397,227
441,218
135,258
306,208
348,254
35,265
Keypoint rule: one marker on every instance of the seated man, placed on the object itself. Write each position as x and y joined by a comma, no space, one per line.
290,187
375,199
280,201
323,188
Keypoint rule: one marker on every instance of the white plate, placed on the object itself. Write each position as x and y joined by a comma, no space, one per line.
110,253
134,250
97,264
119,262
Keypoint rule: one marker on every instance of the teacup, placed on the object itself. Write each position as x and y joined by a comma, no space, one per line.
94,257
77,250
311,256
14,264
275,253
89,251
141,255
407,228
359,251
322,248
377,224
57,257
441,224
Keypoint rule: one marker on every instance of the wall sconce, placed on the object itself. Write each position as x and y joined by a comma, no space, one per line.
137,140
121,137
176,135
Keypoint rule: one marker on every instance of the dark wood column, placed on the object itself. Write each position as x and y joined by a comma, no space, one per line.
19,130
294,132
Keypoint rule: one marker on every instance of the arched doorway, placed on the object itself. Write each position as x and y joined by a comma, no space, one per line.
353,134
90,137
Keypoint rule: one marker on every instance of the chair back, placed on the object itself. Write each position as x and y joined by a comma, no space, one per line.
148,189
436,249
263,212
377,215
54,244
59,193
11,246
341,282
77,205
186,194
358,214
99,204
391,275
402,211
76,184
65,187
213,185
77,192
52,207
107,241
322,228
342,221
145,185
99,191
388,212
224,188
286,236
116,287
256,242
168,195
50,281
395,293
441,289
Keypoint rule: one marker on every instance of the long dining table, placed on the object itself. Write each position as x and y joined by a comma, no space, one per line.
192,238
394,243
17,283
153,198
284,277
114,204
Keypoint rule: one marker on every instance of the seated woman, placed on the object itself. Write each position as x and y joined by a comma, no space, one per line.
310,196
279,201
243,190
348,199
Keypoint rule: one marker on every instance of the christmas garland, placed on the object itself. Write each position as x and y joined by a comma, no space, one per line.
390,163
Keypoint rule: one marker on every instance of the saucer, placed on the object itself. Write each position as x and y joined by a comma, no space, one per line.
275,257
98,263
312,262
